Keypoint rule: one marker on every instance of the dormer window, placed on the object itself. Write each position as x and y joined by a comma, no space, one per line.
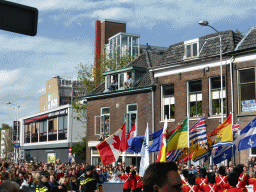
191,49
123,78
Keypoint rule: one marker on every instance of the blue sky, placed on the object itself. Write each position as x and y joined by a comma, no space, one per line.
65,38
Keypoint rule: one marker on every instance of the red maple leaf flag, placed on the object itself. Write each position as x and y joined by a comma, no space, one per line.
110,149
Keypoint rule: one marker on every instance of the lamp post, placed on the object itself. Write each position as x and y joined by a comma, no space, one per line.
17,134
205,23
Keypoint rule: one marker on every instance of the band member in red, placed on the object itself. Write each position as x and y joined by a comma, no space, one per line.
222,179
243,179
185,175
202,180
192,186
211,186
233,181
127,180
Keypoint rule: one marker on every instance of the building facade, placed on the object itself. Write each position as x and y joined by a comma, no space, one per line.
47,136
60,91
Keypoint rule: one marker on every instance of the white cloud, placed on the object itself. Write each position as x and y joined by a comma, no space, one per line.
41,91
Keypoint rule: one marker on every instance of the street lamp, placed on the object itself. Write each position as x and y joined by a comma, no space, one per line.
205,23
17,134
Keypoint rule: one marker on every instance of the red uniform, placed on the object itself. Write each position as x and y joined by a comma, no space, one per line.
201,182
190,188
252,181
233,189
242,182
185,181
139,183
210,188
221,181
127,181
133,182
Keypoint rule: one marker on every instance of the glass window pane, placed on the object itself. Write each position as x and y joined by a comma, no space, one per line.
215,82
195,49
168,90
195,86
105,111
61,123
167,111
188,50
247,91
247,75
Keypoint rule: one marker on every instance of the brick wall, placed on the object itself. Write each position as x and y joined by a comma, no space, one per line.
118,106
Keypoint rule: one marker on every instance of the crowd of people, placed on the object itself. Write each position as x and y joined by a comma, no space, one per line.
172,176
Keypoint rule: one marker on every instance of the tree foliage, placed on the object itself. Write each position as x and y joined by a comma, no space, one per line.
80,148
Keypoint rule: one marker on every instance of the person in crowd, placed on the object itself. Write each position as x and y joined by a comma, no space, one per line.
211,186
162,177
192,185
74,184
243,177
222,178
87,182
127,180
233,181
202,180
43,185
185,175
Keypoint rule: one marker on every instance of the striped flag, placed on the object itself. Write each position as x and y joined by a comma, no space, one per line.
235,129
162,153
197,135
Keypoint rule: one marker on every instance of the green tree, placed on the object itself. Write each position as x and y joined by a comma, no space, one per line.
7,142
238,32
80,148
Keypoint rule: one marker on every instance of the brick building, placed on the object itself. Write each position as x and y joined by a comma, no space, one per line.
186,81
109,109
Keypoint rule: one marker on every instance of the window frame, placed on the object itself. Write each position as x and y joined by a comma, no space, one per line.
129,116
191,43
198,115
162,103
239,103
219,90
102,121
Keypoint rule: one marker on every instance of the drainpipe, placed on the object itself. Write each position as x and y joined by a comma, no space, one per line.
153,119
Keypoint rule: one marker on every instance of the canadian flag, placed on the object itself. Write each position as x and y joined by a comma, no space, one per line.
111,148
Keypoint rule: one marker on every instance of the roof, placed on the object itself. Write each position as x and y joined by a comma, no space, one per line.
209,46
248,41
145,61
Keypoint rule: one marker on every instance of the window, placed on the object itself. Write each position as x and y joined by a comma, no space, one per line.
168,102
195,98
63,127
49,84
105,121
43,131
131,116
191,48
215,96
27,133
52,129
35,127
246,83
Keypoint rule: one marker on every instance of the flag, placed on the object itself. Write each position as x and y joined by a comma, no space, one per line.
222,135
132,133
197,136
225,152
248,136
123,144
179,138
201,154
144,162
235,129
162,153
109,149
173,155
135,143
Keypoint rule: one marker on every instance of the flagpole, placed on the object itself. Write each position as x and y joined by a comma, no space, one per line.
189,161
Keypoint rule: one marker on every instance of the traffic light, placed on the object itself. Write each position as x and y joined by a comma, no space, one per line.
18,18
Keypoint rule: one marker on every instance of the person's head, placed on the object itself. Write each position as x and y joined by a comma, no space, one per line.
52,178
9,186
211,177
62,181
185,173
233,179
127,169
238,170
191,179
89,170
222,170
73,178
162,177
202,172
5,176
44,176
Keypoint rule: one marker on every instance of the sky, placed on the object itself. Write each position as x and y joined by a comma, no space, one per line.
65,38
